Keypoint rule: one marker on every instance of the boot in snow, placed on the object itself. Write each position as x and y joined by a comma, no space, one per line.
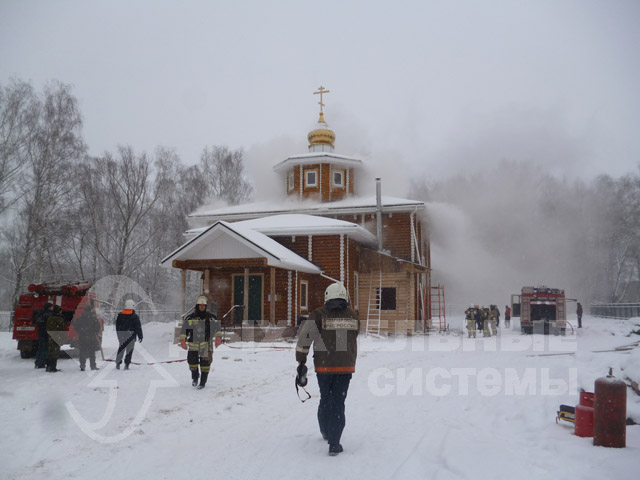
203,380
194,378
335,449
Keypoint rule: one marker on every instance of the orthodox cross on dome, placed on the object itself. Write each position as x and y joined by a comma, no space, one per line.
321,91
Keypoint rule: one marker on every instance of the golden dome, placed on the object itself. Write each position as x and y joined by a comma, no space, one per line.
322,135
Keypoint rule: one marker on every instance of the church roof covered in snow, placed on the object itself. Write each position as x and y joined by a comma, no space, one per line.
318,157
300,224
351,205
224,240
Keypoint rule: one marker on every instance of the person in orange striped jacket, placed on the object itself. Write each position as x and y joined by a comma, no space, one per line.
332,330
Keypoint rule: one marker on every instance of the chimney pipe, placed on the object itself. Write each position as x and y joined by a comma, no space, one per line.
379,213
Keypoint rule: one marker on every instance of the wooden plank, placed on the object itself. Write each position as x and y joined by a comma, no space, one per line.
206,281
220,263
245,320
184,291
272,289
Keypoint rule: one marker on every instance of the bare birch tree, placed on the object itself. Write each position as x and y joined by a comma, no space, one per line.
18,119
51,153
223,170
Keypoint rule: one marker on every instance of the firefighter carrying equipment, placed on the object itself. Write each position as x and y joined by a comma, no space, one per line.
301,381
301,378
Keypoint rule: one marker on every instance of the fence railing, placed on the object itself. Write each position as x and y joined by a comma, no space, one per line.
615,310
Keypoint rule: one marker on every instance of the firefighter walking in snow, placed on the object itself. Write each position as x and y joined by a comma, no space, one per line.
333,331
198,330
128,327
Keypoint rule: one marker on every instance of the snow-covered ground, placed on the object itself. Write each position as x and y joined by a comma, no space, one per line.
434,407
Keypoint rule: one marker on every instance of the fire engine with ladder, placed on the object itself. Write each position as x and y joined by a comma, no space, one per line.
71,297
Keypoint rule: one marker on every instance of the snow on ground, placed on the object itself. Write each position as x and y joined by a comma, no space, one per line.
439,407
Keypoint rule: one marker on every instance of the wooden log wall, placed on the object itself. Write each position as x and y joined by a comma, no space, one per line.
400,320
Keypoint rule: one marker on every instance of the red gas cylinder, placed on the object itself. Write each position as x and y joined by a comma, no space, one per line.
584,415
610,412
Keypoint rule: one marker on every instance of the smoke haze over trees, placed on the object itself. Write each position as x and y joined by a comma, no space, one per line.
68,216
513,225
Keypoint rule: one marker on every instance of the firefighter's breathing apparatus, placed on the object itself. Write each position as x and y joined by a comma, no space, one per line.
301,381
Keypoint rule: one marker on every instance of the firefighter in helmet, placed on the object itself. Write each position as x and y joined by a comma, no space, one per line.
493,319
333,331
198,331
486,332
471,320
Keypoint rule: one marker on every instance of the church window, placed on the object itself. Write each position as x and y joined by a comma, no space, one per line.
338,178
291,184
311,178
387,298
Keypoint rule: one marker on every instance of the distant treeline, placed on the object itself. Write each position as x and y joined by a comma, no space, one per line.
68,216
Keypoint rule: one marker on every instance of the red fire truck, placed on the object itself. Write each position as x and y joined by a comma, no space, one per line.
72,297
542,310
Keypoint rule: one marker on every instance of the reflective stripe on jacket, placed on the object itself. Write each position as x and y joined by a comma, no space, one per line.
333,334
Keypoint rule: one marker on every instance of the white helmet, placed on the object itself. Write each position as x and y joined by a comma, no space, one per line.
335,290
202,300
129,304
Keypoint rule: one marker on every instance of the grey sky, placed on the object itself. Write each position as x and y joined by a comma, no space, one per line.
432,86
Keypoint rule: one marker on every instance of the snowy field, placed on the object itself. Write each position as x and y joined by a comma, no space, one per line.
439,407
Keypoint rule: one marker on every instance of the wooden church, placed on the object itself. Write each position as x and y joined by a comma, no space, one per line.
276,260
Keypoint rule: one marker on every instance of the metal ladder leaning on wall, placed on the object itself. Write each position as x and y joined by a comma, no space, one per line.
374,313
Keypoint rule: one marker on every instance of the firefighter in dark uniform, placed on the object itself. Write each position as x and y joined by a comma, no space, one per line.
87,326
478,316
198,330
333,331
43,336
57,330
128,327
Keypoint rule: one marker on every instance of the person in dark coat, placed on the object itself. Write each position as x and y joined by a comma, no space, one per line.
579,313
43,336
332,330
128,327
57,330
196,336
87,326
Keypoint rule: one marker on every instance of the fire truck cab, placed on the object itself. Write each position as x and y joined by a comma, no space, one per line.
72,297
542,310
